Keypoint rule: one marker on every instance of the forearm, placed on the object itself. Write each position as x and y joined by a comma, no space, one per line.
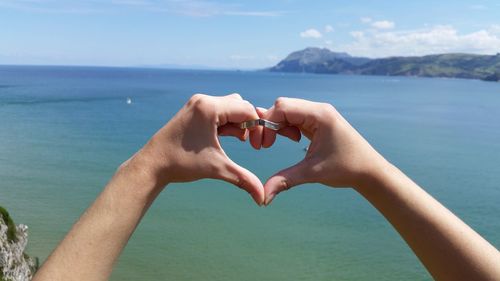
448,248
92,246
185,149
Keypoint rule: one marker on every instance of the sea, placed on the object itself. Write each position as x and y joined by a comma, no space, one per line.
65,130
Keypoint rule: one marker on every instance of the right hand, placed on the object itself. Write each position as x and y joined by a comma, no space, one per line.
338,155
187,148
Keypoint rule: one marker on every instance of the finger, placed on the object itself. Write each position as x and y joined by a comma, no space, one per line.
231,110
290,111
235,96
286,179
233,130
244,179
268,135
256,137
257,132
291,132
261,111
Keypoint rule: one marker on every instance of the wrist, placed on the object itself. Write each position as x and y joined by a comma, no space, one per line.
140,172
374,175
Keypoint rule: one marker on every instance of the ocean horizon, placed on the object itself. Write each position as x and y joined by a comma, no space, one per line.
65,129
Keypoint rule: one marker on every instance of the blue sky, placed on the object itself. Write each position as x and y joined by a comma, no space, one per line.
237,34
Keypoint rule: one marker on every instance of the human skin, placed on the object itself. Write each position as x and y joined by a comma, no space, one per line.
187,149
339,156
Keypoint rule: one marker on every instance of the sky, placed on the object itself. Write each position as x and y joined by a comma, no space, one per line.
237,34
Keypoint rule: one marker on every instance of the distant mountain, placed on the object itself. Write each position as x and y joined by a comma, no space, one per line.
316,60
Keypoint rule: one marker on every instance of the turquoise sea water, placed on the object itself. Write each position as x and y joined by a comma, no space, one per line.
64,130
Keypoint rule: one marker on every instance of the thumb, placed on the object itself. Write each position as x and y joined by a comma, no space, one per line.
244,179
286,179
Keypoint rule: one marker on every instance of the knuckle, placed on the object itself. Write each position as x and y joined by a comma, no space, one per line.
203,106
327,108
202,103
280,105
280,102
248,105
194,98
285,184
324,111
236,95
197,96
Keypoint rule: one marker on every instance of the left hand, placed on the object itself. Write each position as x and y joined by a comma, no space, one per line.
187,148
338,155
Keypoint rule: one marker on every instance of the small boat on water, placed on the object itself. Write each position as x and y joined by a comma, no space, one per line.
129,101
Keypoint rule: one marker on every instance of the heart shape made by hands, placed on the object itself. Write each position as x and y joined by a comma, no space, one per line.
188,147
263,133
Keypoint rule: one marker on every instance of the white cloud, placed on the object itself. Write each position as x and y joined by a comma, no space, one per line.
328,28
358,35
494,29
311,33
434,40
365,19
383,24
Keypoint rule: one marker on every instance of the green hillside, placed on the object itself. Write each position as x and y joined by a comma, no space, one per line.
469,66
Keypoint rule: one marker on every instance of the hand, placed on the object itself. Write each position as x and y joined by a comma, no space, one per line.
337,156
187,148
